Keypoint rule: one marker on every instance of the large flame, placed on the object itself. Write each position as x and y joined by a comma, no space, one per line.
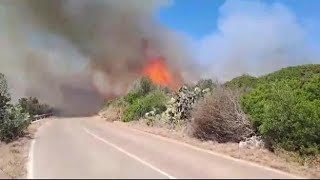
158,71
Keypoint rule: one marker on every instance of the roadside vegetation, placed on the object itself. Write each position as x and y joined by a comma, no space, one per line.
281,108
142,98
16,130
15,118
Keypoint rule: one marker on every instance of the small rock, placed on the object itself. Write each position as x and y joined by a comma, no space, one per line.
254,142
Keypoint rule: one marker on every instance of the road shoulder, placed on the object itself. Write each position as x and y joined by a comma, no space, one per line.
14,155
261,157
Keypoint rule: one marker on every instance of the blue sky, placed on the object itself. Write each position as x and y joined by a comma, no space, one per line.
252,36
197,18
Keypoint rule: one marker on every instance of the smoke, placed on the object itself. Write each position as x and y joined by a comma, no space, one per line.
73,54
255,37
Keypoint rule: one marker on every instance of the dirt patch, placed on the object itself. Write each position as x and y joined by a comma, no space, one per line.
14,155
279,160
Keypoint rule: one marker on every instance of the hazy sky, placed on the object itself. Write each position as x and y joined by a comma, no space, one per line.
247,36
199,17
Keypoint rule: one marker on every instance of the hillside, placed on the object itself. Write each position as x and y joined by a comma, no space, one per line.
301,73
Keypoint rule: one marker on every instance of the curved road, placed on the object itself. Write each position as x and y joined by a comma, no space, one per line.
83,148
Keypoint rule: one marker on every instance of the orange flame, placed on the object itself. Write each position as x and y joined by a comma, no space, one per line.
158,71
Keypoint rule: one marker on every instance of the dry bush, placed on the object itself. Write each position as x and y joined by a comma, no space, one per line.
112,113
218,117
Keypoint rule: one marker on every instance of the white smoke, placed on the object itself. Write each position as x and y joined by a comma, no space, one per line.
254,37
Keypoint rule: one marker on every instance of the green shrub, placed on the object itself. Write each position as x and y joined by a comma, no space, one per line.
132,97
303,72
146,86
14,123
143,86
287,111
145,104
244,82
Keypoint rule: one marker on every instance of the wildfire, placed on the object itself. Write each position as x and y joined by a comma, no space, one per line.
158,71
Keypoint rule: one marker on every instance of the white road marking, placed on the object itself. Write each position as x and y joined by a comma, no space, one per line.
30,160
129,154
216,153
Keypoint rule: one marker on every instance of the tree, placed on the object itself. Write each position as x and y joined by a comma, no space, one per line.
13,122
32,106
4,96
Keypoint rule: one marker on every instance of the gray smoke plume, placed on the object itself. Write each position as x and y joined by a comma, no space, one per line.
73,54
255,37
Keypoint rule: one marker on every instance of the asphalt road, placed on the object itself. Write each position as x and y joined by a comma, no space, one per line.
81,148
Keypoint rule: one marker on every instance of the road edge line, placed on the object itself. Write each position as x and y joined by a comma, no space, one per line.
30,160
215,153
128,154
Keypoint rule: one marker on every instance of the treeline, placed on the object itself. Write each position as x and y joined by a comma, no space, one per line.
15,118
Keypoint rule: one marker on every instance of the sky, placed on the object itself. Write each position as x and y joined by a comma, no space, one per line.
232,37
198,18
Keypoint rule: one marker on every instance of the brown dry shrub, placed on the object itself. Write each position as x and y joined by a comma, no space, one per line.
112,113
218,117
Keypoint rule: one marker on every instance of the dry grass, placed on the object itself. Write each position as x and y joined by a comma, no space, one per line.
14,155
112,113
280,160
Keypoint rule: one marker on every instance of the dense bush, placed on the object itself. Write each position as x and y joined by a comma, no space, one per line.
300,73
14,123
132,97
285,108
140,106
244,82
141,88
218,117
144,96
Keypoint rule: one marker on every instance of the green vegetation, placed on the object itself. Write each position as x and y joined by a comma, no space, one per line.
154,100
32,106
13,121
244,82
295,72
285,108
143,97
